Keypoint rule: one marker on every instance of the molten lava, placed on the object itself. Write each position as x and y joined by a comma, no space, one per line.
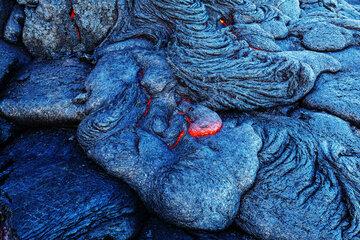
202,122
223,22
148,106
180,136
72,16
204,128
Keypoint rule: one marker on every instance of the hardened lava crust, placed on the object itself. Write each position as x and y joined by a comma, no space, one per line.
180,119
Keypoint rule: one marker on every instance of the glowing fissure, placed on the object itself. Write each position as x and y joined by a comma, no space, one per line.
148,106
72,16
178,139
146,112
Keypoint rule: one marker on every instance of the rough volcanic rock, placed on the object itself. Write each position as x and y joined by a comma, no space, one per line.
157,230
119,139
339,93
294,182
56,193
47,92
233,68
308,183
6,131
5,10
123,64
55,29
48,30
147,112
95,20
327,25
14,26
7,231
12,58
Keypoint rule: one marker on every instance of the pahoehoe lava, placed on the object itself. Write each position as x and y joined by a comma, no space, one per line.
169,119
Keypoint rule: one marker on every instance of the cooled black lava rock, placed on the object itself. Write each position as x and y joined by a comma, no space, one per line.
157,230
50,92
6,229
54,30
13,30
162,68
307,186
224,165
6,131
5,10
339,93
56,193
12,58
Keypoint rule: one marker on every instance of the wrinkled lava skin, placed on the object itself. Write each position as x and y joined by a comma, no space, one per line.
225,119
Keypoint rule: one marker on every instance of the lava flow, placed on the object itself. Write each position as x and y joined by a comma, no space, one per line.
148,106
178,139
204,127
206,123
72,16
223,22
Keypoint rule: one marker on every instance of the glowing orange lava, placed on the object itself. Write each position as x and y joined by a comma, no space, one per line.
223,22
72,14
180,136
202,122
148,106
204,129
255,48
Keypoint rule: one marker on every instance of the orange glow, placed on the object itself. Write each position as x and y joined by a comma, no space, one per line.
205,129
255,48
72,14
148,106
180,136
78,34
223,22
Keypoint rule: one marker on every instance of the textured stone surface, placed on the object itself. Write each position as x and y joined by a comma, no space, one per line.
94,20
56,193
14,25
12,59
165,177
308,164
59,28
239,117
57,93
155,229
5,10
339,94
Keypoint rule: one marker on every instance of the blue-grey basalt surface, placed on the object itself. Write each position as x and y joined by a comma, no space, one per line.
180,119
